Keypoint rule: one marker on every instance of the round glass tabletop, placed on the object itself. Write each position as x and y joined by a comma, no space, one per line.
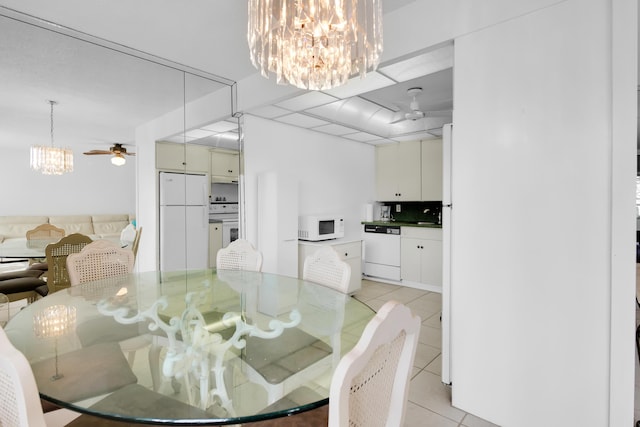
188,348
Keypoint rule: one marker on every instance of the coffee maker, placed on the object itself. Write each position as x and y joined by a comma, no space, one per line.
385,213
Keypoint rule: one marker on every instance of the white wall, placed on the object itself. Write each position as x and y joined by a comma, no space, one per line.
424,23
94,187
334,175
534,254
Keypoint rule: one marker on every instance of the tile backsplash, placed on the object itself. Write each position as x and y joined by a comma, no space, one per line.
415,211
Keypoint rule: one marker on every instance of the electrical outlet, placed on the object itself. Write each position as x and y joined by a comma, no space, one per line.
398,208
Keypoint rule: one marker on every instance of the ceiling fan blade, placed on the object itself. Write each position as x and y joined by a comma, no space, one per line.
398,120
94,152
129,154
438,113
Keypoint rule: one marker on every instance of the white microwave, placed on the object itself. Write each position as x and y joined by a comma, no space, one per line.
320,227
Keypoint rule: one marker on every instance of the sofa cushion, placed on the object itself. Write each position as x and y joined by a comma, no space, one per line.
17,226
22,284
73,223
105,225
8,275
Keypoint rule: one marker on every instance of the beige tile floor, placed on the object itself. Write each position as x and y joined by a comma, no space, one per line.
429,399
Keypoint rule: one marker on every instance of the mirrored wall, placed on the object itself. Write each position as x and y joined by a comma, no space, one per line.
113,107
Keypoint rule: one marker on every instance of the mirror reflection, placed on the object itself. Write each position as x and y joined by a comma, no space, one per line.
113,108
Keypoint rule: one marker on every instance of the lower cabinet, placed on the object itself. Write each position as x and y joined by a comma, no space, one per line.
215,242
349,252
421,255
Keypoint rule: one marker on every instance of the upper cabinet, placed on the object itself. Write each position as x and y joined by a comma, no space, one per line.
224,165
409,171
182,157
431,169
398,171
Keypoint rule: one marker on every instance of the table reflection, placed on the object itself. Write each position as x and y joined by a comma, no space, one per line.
235,346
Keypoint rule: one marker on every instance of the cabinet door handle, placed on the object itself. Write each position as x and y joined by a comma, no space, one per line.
346,254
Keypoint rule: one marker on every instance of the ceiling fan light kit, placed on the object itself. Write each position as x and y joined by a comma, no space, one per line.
118,152
118,160
315,44
50,160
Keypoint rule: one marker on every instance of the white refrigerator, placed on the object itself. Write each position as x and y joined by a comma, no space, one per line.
447,207
184,221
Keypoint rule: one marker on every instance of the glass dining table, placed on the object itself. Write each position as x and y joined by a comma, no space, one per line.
23,248
188,348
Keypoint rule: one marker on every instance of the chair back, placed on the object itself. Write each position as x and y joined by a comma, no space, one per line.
19,400
45,231
136,242
99,260
239,255
57,253
370,385
326,268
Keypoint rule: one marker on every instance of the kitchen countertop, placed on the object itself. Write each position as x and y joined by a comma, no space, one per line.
403,224
339,241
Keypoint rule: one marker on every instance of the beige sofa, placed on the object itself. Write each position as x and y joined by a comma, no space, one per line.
95,226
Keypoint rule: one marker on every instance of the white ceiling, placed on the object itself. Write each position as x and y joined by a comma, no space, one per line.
103,95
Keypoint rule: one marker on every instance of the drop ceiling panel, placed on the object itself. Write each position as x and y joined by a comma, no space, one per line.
437,93
301,120
270,112
308,100
223,126
357,85
334,129
362,137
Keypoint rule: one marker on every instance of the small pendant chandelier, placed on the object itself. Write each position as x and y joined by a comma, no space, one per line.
315,44
51,160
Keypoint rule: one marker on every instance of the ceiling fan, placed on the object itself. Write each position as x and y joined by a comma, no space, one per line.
415,113
118,152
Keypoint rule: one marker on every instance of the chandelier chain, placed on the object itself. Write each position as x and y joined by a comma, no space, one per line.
52,104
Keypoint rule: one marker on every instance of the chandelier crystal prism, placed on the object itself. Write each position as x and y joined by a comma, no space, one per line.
315,44
51,160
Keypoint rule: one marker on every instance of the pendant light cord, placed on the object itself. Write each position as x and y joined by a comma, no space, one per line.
52,104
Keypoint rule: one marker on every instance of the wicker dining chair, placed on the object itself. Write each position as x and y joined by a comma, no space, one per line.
57,253
42,234
326,268
136,242
370,385
239,255
100,259
45,231
103,259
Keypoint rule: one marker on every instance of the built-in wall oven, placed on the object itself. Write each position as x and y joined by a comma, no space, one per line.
227,213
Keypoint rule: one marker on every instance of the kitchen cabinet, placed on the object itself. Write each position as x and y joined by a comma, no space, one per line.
349,252
421,255
431,169
409,171
215,242
224,166
182,157
398,172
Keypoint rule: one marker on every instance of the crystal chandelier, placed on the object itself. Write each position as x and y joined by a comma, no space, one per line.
51,160
315,44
